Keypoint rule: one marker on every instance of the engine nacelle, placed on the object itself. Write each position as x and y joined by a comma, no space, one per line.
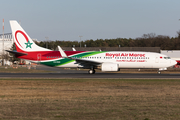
109,67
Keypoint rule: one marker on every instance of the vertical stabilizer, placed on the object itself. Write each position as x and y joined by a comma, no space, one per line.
22,41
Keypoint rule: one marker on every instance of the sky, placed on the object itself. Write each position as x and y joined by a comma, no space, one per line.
93,19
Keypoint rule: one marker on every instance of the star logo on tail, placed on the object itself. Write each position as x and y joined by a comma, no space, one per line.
28,44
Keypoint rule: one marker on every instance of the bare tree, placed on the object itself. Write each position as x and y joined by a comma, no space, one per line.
149,35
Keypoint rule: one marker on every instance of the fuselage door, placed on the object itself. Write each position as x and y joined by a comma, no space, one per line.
38,57
157,59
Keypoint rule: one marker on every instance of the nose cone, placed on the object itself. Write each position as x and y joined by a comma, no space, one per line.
173,62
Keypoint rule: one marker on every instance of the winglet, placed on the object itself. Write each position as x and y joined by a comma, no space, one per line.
63,54
73,49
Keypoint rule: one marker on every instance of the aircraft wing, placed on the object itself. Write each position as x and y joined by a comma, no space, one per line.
16,53
81,62
84,62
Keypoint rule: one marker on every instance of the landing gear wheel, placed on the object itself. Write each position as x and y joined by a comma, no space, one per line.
159,72
94,71
91,71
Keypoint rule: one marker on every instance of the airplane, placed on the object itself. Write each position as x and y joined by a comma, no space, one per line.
92,60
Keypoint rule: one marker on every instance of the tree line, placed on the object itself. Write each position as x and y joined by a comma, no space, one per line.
147,40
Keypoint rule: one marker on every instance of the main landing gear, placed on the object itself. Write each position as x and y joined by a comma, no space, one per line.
91,71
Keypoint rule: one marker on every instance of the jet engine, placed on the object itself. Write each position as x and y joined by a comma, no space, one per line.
109,67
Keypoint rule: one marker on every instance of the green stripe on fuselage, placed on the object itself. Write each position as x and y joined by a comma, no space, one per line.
64,61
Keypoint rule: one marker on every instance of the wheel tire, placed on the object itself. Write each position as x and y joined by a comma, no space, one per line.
94,71
91,72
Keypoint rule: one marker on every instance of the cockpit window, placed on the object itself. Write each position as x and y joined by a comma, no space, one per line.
167,58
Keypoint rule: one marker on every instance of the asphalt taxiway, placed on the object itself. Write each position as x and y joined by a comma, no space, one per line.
86,75
54,72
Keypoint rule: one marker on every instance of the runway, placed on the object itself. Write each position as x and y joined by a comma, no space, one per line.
86,75
53,72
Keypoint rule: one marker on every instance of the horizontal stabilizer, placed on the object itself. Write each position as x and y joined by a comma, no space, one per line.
16,53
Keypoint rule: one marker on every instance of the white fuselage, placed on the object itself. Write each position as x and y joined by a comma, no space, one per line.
126,59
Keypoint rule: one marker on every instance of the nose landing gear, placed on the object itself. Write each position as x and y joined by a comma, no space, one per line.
161,69
159,72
